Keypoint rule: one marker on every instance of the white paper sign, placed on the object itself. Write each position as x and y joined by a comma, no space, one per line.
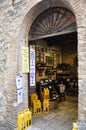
32,65
19,89
19,96
19,82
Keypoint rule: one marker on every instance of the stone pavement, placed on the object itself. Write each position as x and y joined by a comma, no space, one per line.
6,126
57,119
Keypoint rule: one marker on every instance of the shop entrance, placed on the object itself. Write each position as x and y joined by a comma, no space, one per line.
54,35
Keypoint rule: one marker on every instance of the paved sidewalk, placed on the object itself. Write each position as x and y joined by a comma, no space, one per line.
57,119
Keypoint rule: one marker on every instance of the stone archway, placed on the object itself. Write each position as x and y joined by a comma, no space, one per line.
72,6
30,15
16,22
21,38
37,10
53,22
40,10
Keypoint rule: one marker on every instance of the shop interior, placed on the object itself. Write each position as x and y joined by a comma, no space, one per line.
56,62
56,65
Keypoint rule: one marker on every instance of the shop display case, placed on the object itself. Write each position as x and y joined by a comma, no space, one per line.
46,83
63,70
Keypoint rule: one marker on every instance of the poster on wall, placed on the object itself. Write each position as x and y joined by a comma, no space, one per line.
32,65
19,89
25,59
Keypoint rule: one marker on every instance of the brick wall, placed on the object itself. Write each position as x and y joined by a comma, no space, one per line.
3,59
15,22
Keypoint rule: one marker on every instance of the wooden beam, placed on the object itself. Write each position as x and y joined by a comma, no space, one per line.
51,35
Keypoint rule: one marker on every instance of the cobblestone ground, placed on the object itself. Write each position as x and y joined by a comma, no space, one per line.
6,126
57,119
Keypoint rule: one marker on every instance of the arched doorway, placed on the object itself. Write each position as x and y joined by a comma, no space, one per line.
27,14
57,27
53,21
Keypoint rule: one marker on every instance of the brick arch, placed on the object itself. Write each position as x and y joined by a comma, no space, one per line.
53,21
31,14
75,7
41,6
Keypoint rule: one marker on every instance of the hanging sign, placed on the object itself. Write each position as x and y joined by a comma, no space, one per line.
32,65
25,59
19,89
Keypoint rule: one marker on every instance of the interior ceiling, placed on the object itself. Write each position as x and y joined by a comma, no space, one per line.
62,40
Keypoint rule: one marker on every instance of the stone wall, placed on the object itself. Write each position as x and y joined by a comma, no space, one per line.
3,59
15,21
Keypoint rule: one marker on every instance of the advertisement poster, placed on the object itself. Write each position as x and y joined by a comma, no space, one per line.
32,65
19,89
25,59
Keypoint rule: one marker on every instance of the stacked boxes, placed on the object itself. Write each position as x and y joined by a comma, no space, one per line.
24,119
34,97
28,118
37,107
21,121
46,93
36,104
46,100
46,106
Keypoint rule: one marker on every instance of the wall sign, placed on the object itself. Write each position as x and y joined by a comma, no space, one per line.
32,65
25,59
19,89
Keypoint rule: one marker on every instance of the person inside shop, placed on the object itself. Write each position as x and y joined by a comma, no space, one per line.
62,91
